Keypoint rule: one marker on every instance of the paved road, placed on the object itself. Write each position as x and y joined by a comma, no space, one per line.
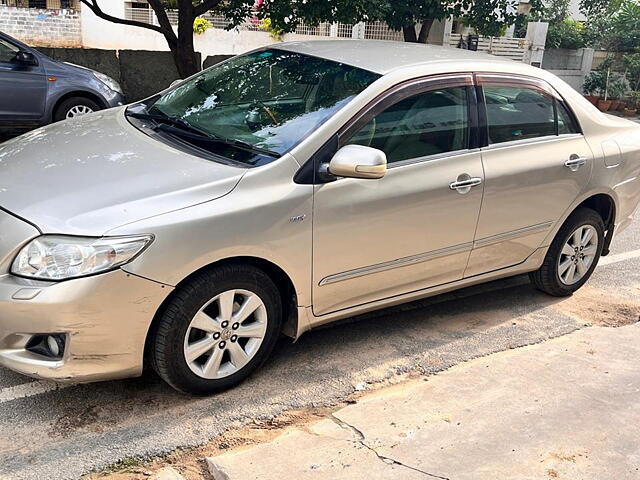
60,434
567,409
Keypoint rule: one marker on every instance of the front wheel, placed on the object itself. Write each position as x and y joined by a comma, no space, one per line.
573,254
75,107
218,327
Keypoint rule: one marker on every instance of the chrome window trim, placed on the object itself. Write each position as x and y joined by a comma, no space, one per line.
400,262
520,232
529,141
431,158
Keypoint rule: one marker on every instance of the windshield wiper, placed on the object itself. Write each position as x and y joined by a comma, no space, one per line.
173,121
177,126
196,134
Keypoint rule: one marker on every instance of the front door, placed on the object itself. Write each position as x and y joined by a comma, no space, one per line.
23,88
536,164
413,228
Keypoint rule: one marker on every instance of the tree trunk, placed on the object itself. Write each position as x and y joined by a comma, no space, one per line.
409,32
184,54
410,35
424,30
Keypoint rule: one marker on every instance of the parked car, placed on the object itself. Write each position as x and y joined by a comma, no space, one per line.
36,90
290,187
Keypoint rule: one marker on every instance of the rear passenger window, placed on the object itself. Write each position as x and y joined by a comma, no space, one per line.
566,122
518,113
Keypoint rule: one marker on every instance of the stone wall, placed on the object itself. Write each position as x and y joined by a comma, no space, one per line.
572,66
141,73
40,27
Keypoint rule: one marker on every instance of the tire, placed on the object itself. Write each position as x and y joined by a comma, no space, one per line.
177,332
69,104
548,277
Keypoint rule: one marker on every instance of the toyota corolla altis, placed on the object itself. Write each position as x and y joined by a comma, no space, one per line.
290,187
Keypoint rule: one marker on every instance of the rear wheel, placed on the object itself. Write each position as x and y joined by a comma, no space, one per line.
75,107
219,327
573,254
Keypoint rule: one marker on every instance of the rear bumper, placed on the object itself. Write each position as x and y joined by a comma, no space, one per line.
104,319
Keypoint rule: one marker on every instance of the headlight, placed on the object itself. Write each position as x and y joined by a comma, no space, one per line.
108,81
58,257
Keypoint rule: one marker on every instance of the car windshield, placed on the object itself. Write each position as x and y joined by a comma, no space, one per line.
270,100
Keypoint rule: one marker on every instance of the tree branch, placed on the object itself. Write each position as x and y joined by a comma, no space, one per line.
163,20
95,8
205,6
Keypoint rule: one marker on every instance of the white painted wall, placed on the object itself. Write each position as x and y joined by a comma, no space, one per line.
98,33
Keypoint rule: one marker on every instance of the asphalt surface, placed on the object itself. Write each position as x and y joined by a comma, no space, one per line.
64,433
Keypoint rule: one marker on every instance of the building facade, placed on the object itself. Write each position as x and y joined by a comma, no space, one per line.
51,23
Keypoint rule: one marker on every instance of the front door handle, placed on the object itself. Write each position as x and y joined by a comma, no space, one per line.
575,162
464,185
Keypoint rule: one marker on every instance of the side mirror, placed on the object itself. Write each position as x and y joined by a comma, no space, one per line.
358,161
26,58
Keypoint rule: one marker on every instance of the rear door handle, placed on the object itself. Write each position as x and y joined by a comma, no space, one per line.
575,162
463,186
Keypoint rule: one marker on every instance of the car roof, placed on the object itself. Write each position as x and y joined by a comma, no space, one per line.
382,56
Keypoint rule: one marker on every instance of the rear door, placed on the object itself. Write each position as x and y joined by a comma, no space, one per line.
536,162
23,88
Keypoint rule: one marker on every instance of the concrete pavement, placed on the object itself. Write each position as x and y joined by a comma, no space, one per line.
567,408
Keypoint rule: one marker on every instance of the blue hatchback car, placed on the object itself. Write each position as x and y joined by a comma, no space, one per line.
36,90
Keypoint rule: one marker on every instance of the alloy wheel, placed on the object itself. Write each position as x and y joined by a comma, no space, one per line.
578,254
225,334
78,111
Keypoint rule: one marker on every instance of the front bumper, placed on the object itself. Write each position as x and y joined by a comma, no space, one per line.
104,318
114,99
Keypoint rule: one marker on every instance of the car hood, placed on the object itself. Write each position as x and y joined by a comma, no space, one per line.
88,175
80,68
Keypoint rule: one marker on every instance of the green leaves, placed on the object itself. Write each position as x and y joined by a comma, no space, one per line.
489,17
566,34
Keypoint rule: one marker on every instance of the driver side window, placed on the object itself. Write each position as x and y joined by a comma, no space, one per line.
7,51
429,123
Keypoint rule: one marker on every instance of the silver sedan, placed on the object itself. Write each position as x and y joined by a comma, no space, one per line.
290,187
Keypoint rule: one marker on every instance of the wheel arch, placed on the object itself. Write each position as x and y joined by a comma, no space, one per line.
602,201
282,280
605,205
76,93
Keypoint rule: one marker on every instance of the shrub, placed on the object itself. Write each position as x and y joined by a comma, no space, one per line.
631,63
595,83
566,34
633,99
275,33
201,25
